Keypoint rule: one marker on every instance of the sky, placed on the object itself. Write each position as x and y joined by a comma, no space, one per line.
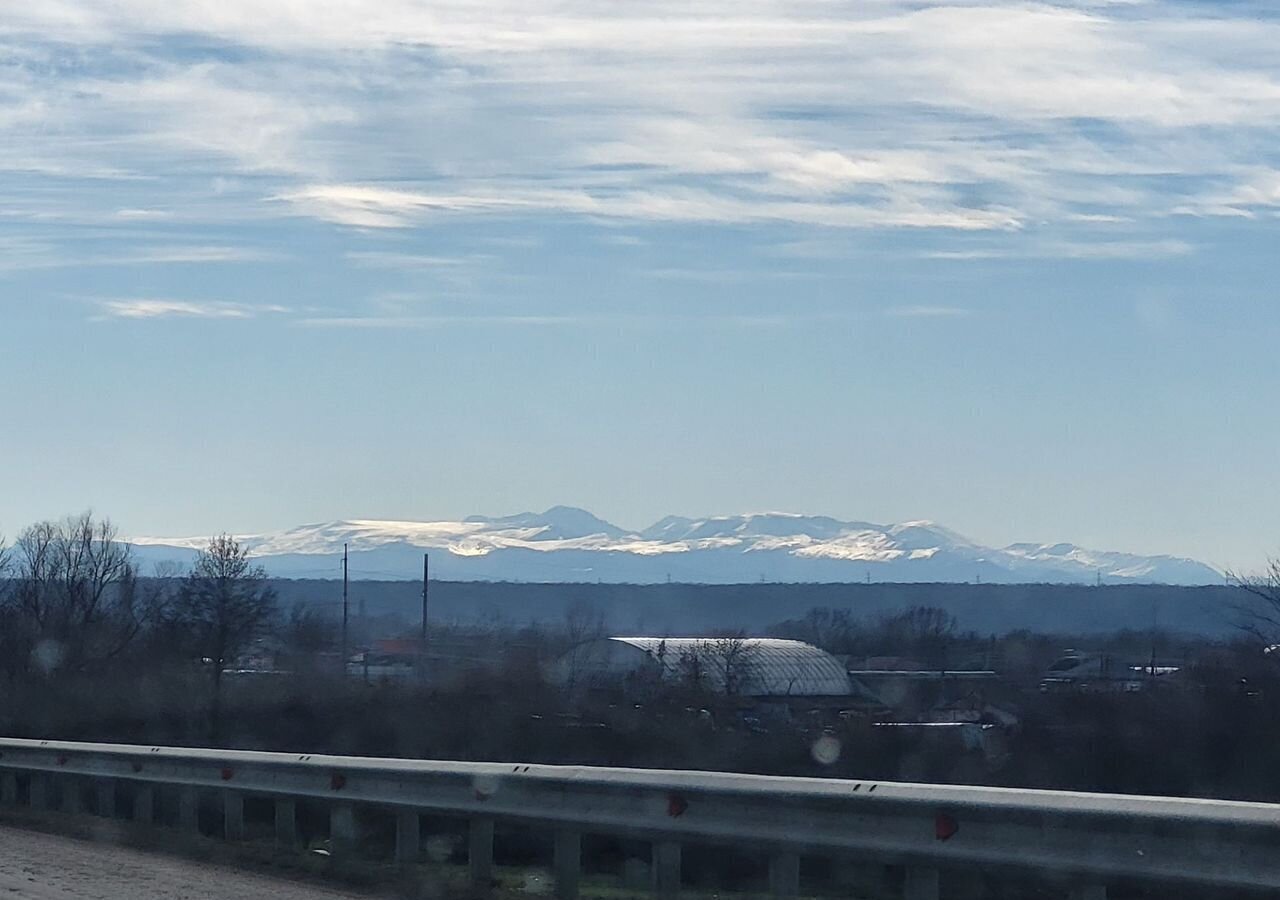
1006,266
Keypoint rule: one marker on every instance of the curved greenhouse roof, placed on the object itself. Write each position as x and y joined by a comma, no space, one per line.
756,666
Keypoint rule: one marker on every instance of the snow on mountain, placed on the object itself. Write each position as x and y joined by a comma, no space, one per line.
559,522
569,544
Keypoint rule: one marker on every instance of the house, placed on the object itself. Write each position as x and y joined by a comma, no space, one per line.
1100,673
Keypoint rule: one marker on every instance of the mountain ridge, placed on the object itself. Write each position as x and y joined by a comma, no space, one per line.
569,544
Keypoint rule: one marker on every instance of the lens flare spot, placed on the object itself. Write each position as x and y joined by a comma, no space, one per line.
826,750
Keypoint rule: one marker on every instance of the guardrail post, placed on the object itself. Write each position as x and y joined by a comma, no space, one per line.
666,869
106,798
1089,892
408,835
233,815
144,804
342,829
38,791
568,863
286,821
784,874
9,789
921,883
480,853
72,799
189,809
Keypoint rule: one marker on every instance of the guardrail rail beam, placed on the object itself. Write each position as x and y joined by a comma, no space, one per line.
1081,840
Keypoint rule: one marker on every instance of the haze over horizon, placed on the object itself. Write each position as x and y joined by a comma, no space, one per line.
1005,266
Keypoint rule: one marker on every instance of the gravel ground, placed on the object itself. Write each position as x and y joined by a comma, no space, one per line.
50,867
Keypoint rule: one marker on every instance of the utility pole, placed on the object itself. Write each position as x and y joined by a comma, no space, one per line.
362,633
424,603
346,651
1155,619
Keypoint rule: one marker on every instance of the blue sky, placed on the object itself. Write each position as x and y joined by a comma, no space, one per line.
1006,266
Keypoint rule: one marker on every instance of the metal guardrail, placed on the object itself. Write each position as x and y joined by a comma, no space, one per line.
1082,840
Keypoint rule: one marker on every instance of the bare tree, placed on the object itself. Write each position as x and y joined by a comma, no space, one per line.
6,571
582,629
74,592
308,631
736,657
926,631
226,602
694,668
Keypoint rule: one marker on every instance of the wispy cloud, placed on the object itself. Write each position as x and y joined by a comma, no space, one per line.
372,207
180,253
829,113
724,276
1073,249
383,259
154,308
18,253
927,312
656,320
1136,250
1258,190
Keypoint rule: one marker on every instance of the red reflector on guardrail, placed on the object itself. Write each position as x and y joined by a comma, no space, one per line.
945,827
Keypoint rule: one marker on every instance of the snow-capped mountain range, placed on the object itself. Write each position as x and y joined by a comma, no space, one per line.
569,544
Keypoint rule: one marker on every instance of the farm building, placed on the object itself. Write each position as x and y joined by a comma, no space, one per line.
748,667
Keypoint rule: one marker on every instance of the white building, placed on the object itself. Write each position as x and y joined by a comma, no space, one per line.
750,667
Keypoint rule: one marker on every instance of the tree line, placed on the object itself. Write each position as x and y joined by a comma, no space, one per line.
72,600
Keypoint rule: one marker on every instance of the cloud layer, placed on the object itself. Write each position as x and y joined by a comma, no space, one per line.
953,117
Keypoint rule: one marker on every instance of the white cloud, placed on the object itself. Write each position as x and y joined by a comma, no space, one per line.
381,259
612,320
372,207
927,312
143,214
1163,249
1074,249
152,308
21,253
184,253
1259,189
949,116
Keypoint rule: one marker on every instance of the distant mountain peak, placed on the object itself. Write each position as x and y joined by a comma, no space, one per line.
565,543
556,523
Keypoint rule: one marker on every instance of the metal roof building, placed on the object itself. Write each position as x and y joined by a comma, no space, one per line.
757,667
